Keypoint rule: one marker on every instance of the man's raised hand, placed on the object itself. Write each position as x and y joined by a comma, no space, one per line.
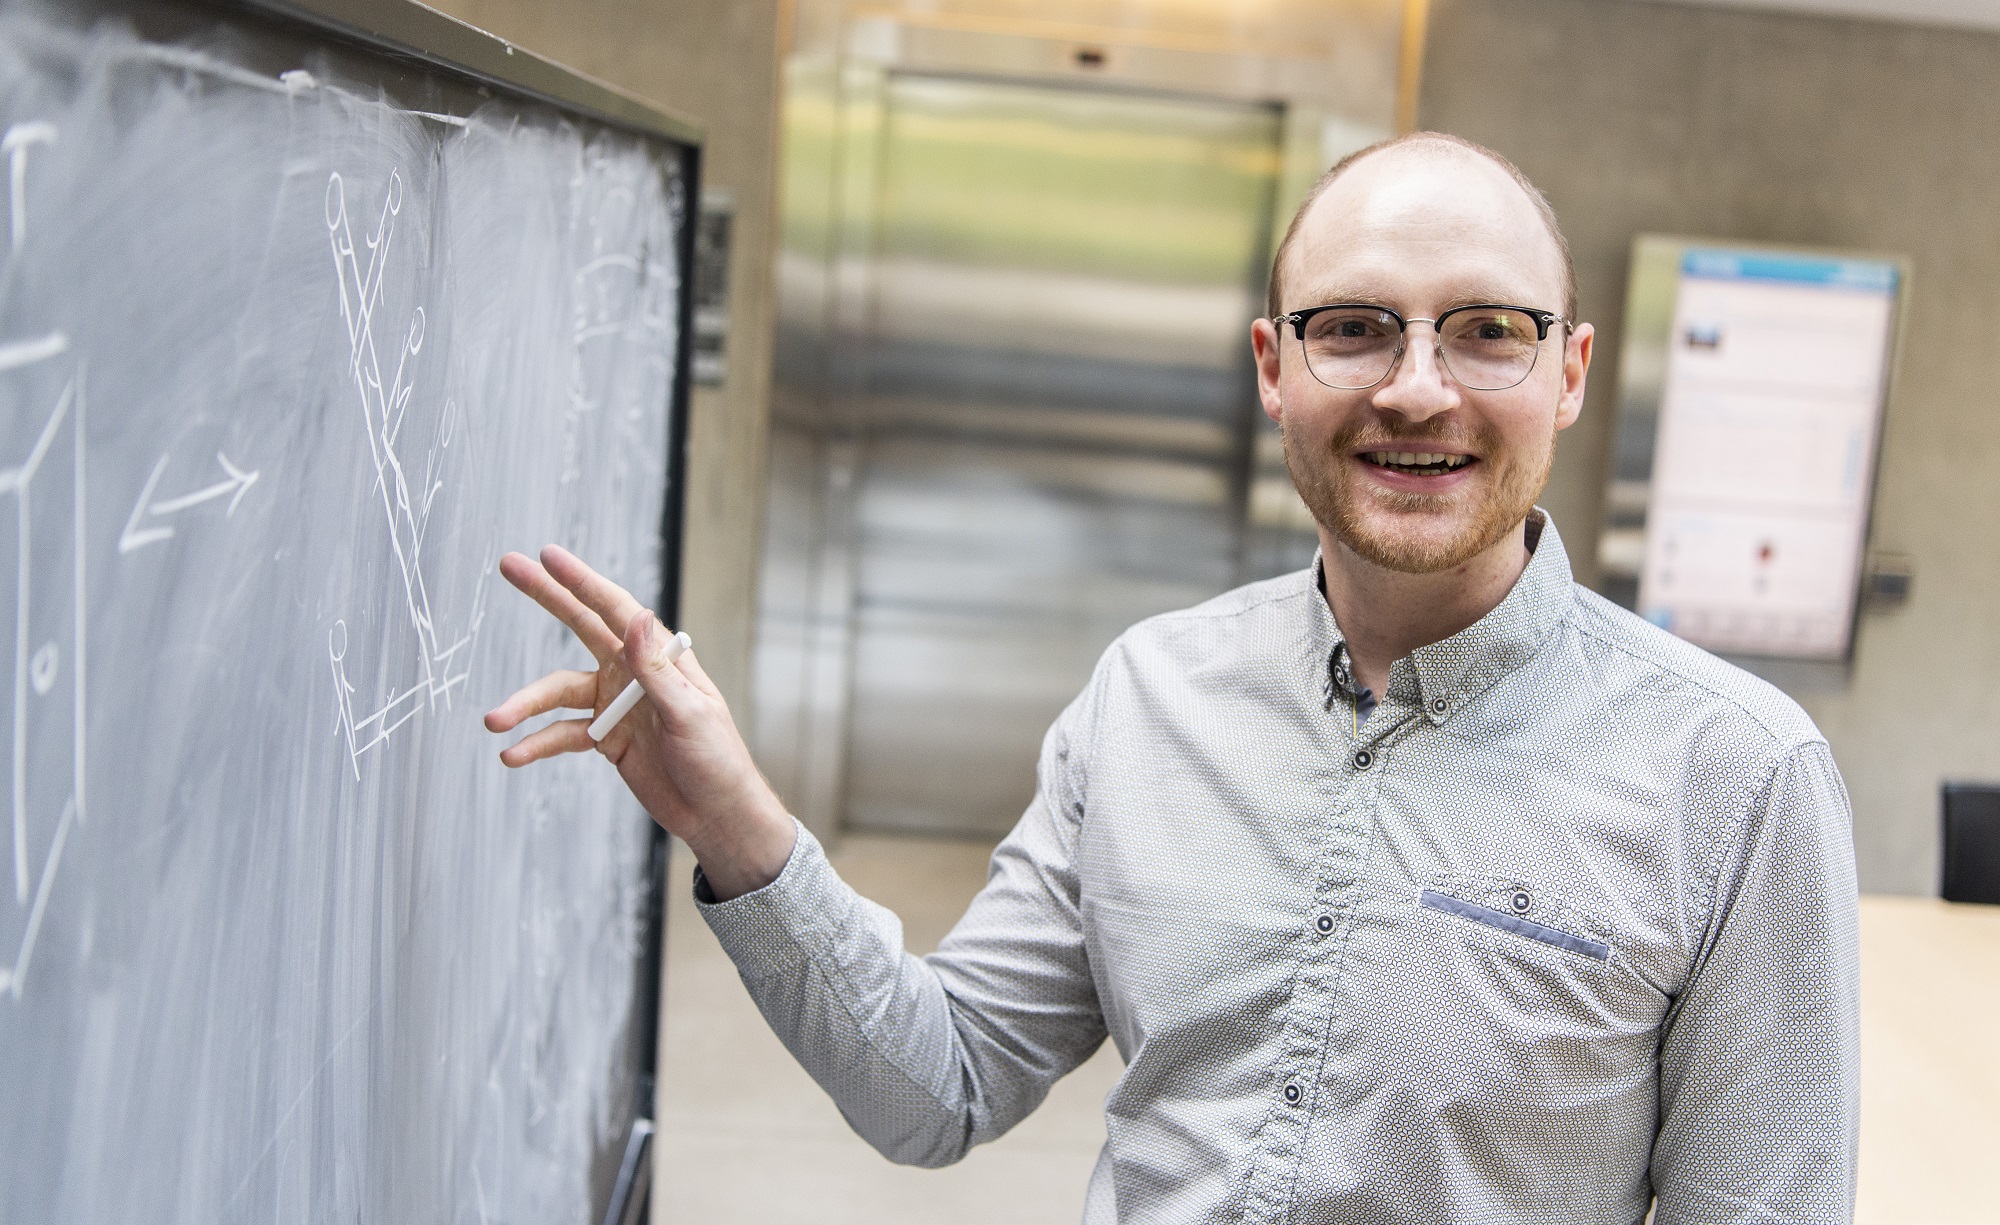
679,751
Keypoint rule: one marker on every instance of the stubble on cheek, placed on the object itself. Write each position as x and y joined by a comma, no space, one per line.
1416,533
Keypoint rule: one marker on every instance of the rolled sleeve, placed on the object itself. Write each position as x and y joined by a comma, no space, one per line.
1760,1064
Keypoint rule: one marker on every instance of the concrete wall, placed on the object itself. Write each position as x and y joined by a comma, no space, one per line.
1638,117
716,62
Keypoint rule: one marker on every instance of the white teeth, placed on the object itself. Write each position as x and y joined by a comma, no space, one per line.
1417,459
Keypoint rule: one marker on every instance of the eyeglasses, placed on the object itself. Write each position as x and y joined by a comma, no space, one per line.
1352,347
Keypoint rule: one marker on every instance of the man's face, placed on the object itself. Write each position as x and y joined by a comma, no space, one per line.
1419,232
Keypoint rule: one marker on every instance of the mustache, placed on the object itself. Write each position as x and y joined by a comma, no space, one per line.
1371,437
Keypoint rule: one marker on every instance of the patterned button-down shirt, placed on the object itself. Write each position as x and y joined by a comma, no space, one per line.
1567,924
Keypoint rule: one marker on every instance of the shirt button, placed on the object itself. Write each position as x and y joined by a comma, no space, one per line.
1292,1095
1522,901
1363,759
1325,924
1439,705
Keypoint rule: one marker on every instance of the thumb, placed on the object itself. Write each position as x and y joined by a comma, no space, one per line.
650,653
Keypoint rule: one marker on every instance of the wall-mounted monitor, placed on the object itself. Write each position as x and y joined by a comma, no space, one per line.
1751,391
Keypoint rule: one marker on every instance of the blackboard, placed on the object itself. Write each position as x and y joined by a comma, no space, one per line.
306,317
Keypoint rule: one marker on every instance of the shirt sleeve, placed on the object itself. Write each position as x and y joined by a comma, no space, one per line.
927,1057
1760,1061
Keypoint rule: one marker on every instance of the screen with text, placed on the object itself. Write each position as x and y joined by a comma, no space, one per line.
1764,460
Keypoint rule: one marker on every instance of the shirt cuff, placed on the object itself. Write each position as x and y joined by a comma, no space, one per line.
771,929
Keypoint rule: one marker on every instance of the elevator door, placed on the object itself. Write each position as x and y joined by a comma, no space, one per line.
1057,412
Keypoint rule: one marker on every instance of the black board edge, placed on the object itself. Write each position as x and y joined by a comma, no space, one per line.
408,28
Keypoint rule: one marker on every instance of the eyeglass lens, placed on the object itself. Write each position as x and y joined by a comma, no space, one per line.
1485,348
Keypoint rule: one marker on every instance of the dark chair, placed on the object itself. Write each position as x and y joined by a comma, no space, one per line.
1971,843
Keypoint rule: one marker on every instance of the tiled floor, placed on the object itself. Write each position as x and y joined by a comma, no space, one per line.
745,1136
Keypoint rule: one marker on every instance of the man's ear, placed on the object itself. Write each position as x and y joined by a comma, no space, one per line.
1576,369
1264,343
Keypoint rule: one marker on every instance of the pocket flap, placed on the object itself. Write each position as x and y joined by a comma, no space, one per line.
1595,949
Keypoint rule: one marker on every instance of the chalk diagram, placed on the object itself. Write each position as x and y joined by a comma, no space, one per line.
137,536
31,490
406,505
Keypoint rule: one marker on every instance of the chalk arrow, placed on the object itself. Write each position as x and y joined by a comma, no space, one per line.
136,537
239,483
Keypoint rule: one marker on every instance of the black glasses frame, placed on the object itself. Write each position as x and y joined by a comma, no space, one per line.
1544,320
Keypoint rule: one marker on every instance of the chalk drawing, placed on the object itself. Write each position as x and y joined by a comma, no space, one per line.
362,270
38,666
43,668
135,537
20,483
17,353
14,146
38,674
11,977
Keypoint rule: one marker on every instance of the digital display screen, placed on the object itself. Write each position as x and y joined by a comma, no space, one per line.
1764,453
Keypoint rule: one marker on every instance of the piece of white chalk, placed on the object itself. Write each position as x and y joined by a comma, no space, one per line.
622,705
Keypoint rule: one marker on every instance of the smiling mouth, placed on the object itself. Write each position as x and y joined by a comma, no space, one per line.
1417,463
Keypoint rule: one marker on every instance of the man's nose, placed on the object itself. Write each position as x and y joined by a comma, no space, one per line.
1419,387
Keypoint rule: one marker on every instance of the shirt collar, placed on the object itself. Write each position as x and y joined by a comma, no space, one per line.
1442,677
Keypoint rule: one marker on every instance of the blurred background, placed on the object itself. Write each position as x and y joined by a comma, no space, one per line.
976,396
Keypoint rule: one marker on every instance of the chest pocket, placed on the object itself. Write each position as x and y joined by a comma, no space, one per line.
1533,1036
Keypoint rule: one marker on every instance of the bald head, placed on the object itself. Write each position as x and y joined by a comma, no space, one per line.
1416,180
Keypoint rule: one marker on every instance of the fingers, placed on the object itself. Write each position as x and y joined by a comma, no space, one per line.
569,690
567,736
610,602
536,583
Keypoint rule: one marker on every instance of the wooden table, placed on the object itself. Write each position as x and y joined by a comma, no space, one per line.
1930,1063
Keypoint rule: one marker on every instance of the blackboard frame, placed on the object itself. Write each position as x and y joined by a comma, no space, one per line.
442,42
436,44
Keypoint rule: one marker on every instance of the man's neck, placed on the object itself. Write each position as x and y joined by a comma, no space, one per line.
1385,614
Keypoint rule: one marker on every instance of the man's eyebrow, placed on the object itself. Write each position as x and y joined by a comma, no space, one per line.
1475,297
1504,298
1351,297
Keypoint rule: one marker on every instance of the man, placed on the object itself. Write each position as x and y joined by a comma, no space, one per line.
1420,886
